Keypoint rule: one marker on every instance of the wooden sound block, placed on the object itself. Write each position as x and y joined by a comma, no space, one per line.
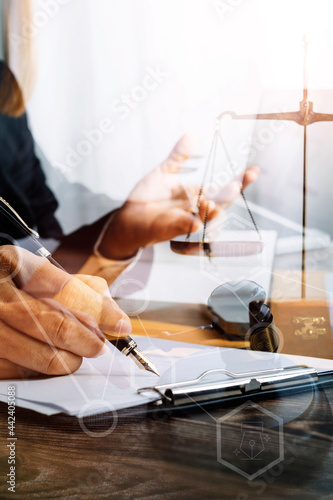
303,326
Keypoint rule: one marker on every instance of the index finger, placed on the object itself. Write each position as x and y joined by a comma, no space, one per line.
51,324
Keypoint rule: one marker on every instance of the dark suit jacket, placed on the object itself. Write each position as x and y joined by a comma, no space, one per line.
23,186
22,182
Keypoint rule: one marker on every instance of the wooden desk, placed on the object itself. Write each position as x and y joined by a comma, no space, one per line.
167,457
164,459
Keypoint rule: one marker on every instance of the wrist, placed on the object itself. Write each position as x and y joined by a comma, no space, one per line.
116,241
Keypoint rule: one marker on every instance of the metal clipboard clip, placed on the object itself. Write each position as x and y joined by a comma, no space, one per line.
237,386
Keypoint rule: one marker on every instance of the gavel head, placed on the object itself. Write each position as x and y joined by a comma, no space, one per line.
239,312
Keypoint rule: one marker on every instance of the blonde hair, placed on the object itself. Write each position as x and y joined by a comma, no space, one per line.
20,57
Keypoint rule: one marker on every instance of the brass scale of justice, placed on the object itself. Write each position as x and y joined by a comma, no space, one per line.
305,116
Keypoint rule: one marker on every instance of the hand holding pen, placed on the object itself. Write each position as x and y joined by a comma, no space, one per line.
50,320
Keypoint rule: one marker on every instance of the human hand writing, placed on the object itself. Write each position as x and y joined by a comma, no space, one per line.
50,320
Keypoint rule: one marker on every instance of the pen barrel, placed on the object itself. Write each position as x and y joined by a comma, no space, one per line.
13,217
124,344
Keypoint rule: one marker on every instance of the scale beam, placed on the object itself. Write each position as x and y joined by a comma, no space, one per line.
305,116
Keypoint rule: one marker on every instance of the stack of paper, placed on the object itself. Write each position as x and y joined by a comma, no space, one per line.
110,382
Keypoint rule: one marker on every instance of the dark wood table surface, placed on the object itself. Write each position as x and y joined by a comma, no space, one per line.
163,456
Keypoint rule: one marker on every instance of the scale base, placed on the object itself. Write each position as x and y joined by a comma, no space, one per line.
217,248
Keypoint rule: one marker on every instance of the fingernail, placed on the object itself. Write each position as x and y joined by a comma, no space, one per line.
123,326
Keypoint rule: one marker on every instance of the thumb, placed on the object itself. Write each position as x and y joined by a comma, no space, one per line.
180,153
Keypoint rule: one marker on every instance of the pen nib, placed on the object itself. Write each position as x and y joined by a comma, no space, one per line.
143,362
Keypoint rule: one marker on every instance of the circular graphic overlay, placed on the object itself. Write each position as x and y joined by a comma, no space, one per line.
7,270
131,296
98,418
279,335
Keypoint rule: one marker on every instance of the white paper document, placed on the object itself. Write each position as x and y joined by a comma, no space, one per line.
110,382
162,275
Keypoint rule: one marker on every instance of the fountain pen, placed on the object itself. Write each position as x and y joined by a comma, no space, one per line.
126,345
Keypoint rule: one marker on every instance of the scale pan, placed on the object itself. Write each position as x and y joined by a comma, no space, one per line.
184,169
190,165
217,248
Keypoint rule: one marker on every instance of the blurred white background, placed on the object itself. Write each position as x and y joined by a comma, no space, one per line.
146,71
